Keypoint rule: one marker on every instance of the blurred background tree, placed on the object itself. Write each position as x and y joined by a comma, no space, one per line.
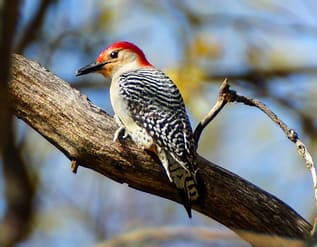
266,49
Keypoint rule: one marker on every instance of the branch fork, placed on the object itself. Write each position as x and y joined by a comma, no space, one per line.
226,95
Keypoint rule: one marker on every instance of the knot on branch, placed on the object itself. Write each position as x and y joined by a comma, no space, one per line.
292,135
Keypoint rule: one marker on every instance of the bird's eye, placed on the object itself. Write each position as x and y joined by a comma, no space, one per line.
114,54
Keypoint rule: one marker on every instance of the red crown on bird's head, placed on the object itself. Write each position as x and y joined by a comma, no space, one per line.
121,45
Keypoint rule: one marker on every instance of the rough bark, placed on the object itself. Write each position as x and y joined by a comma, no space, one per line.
83,132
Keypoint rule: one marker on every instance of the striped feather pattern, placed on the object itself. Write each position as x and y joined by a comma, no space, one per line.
156,105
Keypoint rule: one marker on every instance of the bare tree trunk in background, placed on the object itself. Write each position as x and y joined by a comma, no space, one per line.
83,132
18,188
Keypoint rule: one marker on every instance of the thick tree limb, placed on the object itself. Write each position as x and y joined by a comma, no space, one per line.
83,132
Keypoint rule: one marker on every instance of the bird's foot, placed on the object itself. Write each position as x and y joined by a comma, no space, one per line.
120,134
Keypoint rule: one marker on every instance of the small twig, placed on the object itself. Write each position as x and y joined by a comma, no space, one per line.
290,133
74,166
223,99
226,95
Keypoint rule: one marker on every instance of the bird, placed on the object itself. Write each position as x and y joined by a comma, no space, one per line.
150,110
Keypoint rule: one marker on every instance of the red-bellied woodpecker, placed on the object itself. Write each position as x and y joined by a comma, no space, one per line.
150,109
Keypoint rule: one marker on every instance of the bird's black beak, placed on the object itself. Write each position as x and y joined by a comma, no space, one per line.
93,67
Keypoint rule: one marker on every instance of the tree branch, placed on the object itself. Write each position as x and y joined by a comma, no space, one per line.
33,27
152,236
83,132
226,95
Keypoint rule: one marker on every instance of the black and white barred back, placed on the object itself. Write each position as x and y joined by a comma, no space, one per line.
156,105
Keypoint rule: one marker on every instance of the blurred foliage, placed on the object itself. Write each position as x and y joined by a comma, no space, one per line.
266,49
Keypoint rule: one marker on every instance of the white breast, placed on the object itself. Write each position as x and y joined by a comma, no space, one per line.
139,135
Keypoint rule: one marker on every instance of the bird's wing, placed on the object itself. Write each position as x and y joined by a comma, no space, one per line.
156,104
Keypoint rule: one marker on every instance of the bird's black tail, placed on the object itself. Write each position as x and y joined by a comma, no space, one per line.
186,184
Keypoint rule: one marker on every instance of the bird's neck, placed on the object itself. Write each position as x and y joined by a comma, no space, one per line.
129,67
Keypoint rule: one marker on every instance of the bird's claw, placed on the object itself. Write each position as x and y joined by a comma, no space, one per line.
120,133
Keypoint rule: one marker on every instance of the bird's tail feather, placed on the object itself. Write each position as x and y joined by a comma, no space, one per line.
186,184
